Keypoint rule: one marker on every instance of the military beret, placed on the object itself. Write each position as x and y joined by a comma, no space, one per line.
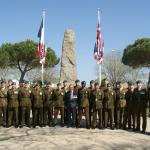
59,84
26,82
10,80
77,81
92,81
96,84
3,81
65,81
118,82
48,83
130,83
139,81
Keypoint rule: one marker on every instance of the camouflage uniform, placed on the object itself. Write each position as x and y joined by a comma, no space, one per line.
97,106
37,102
13,106
108,104
48,107
25,106
120,104
58,99
83,104
3,106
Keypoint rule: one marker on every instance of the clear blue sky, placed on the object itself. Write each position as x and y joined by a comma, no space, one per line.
122,22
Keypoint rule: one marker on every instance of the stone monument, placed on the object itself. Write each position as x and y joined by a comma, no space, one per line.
68,70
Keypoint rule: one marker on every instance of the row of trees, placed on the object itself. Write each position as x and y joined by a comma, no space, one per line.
21,56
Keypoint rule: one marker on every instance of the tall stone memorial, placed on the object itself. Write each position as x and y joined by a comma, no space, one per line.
68,69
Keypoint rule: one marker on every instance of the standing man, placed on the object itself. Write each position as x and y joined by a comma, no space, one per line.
83,104
13,105
48,105
25,104
58,98
3,103
129,116
97,105
76,88
37,102
120,104
108,104
71,96
65,90
141,101
91,89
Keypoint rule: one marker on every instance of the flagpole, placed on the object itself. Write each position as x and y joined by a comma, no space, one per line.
100,73
43,44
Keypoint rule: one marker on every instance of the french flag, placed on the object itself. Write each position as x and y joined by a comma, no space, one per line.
41,54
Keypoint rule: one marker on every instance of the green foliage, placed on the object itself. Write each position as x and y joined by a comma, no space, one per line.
23,56
138,54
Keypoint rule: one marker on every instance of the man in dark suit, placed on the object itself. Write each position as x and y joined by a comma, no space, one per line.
71,97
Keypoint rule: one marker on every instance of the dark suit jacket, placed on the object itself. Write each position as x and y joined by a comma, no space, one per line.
71,102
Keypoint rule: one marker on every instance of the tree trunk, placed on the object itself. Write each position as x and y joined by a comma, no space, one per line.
22,76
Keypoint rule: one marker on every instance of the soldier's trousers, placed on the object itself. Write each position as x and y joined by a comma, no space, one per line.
99,111
25,115
48,115
56,112
90,115
3,112
120,116
108,116
38,116
83,110
144,119
12,116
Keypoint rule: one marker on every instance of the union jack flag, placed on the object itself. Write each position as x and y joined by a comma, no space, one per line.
99,45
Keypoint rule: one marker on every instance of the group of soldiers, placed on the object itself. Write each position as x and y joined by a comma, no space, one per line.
104,106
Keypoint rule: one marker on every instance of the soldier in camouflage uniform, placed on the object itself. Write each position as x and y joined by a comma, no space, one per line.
129,116
120,104
141,101
83,104
97,96
37,98
91,89
108,104
3,103
13,104
48,105
58,99
25,104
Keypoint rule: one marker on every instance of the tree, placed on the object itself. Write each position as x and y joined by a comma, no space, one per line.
137,55
115,70
22,55
4,60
